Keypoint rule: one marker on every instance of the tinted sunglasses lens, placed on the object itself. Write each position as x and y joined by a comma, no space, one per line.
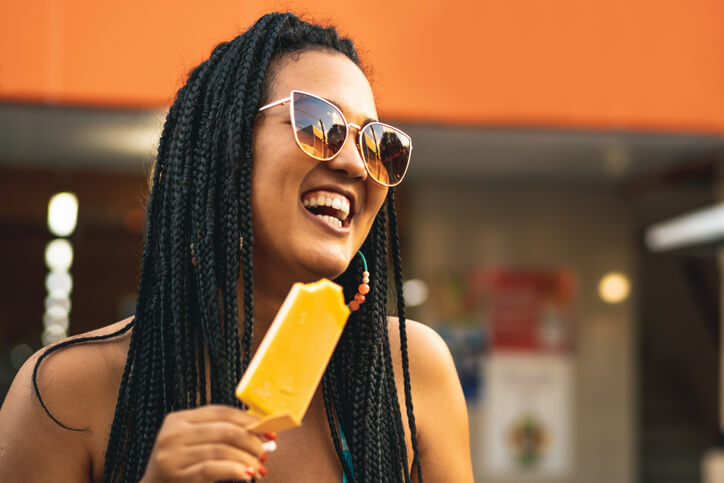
386,151
318,126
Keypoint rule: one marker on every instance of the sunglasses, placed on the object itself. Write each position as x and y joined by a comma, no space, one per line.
321,131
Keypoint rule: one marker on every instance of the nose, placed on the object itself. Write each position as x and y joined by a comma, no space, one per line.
349,160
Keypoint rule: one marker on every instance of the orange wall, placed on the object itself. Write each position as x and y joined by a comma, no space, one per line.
629,64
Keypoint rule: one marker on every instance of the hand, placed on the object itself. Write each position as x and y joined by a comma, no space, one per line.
206,444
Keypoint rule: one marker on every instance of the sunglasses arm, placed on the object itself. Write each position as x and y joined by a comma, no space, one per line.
275,103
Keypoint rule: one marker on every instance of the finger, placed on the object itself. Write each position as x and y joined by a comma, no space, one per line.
191,455
218,412
223,432
212,470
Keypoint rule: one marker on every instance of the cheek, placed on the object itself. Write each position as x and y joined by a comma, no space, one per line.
271,166
376,195
375,199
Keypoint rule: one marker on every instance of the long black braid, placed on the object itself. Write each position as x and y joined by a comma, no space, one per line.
187,314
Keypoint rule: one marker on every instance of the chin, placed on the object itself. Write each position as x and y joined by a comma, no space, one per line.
327,266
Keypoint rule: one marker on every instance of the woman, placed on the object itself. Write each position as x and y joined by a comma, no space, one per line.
238,212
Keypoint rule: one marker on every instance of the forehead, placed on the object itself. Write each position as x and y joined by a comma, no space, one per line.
327,74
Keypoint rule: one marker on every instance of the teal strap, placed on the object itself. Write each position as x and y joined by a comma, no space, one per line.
346,453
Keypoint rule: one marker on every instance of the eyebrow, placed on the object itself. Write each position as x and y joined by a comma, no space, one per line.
340,106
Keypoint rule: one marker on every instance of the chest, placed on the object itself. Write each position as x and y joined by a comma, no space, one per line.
306,453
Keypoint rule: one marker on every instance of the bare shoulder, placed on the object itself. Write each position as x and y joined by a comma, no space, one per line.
77,384
439,405
428,353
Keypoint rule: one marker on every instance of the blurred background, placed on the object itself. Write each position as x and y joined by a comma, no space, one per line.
560,221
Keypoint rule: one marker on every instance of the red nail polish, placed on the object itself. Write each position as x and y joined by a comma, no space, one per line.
263,457
271,435
262,470
250,471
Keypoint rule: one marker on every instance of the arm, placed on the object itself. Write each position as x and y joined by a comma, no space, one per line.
79,386
440,411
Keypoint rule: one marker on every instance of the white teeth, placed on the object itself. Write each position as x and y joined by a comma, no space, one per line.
339,203
344,209
330,220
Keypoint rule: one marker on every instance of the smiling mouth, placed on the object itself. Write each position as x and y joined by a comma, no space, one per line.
332,208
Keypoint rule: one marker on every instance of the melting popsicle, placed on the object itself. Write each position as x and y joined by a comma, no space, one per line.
281,379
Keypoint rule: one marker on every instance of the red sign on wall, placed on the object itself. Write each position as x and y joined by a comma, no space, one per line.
528,310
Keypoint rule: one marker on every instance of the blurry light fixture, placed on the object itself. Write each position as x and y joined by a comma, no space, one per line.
696,228
614,288
62,213
62,220
57,312
59,254
57,299
415,292
59,284
56,319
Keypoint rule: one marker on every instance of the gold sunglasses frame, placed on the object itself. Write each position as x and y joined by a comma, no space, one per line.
360,129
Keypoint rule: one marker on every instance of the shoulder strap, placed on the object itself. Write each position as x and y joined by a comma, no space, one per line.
346,452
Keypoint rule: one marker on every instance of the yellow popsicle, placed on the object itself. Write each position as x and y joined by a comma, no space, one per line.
281,379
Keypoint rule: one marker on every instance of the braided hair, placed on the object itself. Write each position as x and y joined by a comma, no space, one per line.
187,314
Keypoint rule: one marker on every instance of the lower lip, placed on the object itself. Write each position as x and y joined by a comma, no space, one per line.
345,230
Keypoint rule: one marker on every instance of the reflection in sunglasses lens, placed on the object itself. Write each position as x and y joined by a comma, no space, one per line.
319,126
386,152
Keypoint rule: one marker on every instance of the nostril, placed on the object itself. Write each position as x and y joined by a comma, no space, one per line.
351,163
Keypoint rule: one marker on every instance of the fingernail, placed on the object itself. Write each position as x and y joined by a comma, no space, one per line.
262,470
271,435
269,446
250,471
263,457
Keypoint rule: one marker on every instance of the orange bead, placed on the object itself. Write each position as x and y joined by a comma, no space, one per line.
364,289
359,298
353,306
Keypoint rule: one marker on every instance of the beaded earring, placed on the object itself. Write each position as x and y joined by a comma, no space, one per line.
363,289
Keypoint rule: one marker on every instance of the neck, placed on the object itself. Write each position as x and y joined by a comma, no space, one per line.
271,286
269,294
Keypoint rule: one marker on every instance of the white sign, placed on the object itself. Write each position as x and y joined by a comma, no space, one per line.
528,415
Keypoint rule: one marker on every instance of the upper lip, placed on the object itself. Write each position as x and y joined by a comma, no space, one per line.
336,189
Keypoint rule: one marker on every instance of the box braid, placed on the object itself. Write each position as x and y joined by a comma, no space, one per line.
187,314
